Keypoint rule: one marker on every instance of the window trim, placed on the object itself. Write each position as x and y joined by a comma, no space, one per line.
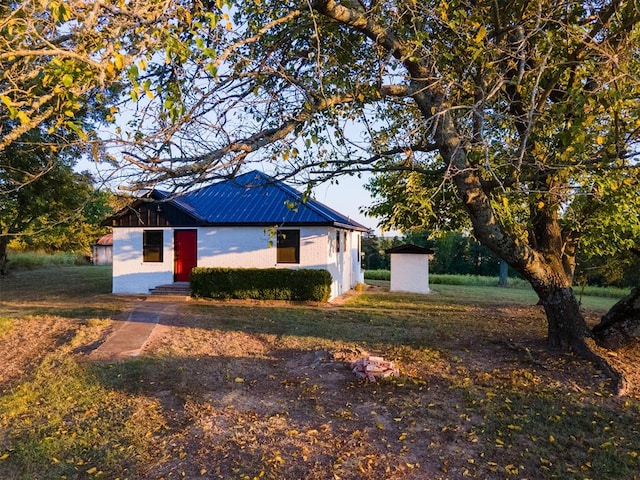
152,252
284,244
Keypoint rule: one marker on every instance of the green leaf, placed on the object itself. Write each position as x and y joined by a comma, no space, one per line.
67,80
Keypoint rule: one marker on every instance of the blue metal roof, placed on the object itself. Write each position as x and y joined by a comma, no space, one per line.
255,198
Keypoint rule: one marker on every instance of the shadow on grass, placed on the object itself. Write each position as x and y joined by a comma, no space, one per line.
465,408
235,415
276,417
369,326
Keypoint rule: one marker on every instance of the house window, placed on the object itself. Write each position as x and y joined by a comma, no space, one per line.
337,240
152,245
288,246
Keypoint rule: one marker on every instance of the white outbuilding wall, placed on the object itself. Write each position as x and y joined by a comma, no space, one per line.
409,269
103,250
409,273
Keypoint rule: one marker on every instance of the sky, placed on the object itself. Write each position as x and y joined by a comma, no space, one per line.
347,197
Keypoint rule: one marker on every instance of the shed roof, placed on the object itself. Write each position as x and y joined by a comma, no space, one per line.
255,198
410,248
105,239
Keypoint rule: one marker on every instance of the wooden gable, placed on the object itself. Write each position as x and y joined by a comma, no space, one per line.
151,214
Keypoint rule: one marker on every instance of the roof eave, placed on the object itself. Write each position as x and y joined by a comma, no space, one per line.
285,224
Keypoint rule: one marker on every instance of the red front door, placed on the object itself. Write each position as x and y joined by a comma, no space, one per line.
184,254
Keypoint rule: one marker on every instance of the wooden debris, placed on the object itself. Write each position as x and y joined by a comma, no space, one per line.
372,368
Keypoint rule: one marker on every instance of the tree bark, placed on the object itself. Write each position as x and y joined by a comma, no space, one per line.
567,328
542,263
621,324
504,273
568,331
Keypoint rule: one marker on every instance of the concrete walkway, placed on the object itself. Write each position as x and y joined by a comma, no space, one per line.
130,336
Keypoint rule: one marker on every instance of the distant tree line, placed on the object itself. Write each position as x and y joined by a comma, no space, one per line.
620,270
69,218
458,253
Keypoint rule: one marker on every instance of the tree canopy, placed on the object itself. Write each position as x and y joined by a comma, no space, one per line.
58,80
45,203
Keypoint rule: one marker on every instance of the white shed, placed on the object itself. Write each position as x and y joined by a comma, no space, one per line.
409,268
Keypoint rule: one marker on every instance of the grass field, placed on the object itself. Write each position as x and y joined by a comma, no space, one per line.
374,276
244,390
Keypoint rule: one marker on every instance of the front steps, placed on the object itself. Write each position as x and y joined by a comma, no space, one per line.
177,289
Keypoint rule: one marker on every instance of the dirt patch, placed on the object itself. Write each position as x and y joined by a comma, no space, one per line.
24,347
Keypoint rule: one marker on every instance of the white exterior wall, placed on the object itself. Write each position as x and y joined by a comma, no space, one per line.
409,273
248,247
344,265
130,273
356,258
235,247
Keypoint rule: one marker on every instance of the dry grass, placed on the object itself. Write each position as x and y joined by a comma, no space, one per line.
237,390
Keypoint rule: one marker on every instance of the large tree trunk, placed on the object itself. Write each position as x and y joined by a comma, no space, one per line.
567,328
568,331
542,258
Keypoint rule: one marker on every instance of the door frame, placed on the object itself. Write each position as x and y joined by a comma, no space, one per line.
178,253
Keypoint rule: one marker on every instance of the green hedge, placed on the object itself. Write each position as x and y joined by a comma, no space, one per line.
261,284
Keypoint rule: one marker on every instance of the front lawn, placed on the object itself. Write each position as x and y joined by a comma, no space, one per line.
244,390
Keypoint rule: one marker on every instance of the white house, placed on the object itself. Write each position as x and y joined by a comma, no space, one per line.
250,221
409,268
